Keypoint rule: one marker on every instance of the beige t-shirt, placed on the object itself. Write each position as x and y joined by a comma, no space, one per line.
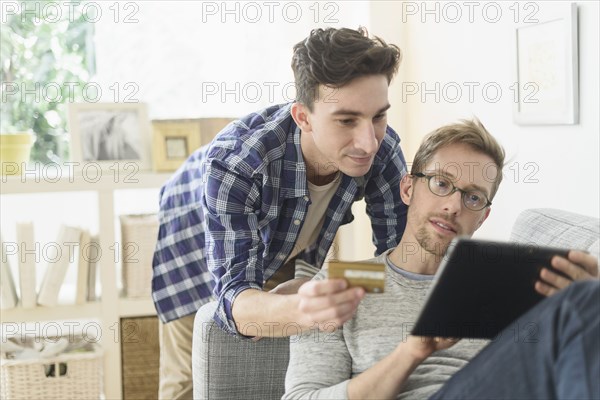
320,197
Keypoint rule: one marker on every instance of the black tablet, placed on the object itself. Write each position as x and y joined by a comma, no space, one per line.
481,287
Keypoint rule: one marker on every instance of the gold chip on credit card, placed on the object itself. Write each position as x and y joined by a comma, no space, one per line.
369,276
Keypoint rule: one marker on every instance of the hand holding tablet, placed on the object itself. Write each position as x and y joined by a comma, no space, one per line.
482,286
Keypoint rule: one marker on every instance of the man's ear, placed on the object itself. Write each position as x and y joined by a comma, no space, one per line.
300,114
406,189
484,217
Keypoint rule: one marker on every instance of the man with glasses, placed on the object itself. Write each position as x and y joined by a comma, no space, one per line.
454,177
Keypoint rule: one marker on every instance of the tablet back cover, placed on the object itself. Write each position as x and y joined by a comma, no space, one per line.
481,287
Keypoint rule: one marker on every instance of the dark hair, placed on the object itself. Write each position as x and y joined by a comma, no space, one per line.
334,57
470,132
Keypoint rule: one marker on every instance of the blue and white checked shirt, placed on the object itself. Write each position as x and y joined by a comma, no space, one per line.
230,216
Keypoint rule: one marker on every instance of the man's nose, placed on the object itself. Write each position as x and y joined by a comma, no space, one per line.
366,140
453,203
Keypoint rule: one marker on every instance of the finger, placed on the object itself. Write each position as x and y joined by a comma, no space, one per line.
450,339
544,289
575,272
320,288
446,339
340,313
311,304
334,324
444,343
554,279
585,260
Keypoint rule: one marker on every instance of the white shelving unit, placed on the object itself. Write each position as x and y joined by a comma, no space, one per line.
111,308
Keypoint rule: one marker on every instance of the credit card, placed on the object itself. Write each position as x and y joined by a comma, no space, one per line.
369,276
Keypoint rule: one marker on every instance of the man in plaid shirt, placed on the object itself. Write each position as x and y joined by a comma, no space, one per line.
267,197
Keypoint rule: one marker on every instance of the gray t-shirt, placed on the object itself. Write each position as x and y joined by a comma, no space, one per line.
321,363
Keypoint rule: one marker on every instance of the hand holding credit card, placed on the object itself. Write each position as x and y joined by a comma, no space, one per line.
369,276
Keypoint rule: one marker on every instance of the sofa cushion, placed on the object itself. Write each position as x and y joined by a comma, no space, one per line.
557,228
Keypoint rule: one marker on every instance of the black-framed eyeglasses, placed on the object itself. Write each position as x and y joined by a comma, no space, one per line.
474,200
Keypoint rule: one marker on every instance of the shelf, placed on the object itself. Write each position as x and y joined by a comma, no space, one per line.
63,182
103,317
60,312
127,308
136,308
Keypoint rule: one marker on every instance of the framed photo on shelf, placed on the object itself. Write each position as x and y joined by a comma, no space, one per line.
547,69
110,134
174,141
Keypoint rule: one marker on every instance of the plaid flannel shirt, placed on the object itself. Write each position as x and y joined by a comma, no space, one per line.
230,216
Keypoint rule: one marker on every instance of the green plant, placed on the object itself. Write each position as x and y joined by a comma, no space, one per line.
45,62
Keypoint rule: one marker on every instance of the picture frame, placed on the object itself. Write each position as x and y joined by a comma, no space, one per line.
112,135
173,142
547,69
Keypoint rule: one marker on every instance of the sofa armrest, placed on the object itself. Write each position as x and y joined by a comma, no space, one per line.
229,367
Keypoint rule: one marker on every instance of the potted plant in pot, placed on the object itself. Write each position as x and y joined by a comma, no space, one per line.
15,150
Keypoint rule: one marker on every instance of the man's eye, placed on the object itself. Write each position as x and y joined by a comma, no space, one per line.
474,197
477,198
379,117
441,182
346,121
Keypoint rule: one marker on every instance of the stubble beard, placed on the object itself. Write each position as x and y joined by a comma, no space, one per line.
430,242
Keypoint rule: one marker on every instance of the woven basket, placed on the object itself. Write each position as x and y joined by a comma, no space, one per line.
138,240
74,376
140,358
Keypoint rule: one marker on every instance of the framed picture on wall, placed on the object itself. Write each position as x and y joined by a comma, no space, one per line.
113,135
174,141
547,69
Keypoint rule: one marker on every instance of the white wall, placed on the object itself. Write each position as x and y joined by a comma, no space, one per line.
194,59
547,166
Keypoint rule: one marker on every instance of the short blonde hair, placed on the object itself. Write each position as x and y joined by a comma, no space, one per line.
470,132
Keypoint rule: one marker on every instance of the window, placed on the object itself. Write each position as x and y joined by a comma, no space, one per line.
46,59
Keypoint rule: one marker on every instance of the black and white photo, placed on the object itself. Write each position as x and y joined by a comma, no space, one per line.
108,132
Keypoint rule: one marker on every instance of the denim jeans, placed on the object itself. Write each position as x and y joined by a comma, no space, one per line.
551,352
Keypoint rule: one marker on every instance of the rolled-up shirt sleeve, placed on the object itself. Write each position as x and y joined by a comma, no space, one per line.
233,246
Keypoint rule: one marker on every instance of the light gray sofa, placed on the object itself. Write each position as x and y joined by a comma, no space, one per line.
225,367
